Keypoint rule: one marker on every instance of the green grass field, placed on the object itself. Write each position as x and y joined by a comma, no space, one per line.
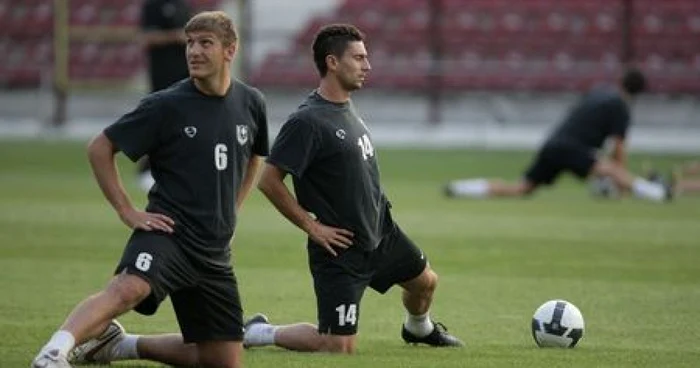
630,266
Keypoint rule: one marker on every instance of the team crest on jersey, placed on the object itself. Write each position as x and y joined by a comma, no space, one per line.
340,133
190,131
242,134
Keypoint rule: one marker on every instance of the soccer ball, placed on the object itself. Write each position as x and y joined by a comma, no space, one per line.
557,323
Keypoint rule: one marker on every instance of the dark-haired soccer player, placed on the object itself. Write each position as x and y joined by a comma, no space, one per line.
573,146
163,36
205,137
353,242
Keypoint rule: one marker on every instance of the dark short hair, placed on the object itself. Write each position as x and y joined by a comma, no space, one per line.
216,22
633,81
333,39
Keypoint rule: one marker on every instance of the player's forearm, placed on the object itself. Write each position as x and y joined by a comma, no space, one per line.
101,156
286,204
249,180
620,158
619,154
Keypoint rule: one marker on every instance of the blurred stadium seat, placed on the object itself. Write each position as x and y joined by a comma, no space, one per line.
483,44
506,45
666,38
26,59
102,47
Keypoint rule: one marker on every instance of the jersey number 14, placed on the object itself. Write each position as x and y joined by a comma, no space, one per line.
365,147
347,314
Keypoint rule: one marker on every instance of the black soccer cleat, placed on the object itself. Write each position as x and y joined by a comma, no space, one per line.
255,319
655,177
448,191
438,338
670,190
668,182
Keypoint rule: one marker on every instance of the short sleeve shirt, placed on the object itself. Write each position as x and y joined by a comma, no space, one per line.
199,147
601,114
328,150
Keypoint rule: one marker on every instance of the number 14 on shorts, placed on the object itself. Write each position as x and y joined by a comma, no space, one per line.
347,314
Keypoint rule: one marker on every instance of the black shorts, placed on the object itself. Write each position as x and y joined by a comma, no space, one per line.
339,282
557,156
205,299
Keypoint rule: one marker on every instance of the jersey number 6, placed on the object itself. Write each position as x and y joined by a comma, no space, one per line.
220,156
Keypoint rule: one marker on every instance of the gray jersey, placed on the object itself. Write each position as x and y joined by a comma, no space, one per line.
199,147
327,149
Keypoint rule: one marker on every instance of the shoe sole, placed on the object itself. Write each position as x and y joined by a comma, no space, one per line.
89,355
255,319
51,357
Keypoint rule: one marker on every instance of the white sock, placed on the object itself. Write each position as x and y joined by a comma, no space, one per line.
61,340
648,190
260,334
419,325
476,188
126,348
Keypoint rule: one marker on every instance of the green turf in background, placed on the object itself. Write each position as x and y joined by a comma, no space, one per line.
630,266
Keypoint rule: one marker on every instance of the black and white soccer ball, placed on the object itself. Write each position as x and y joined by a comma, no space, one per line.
558,324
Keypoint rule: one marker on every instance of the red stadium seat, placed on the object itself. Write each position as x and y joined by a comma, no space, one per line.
29,18
501,44
84,13
128,15
287,69
25,60
95,60
5,17
485,44
27,26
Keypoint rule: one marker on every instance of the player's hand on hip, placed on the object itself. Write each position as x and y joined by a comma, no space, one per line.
148,221
330,237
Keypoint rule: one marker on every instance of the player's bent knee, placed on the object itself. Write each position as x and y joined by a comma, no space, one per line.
431,281
425,283
127,290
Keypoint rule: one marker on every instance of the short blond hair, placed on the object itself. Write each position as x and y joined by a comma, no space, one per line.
216,22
